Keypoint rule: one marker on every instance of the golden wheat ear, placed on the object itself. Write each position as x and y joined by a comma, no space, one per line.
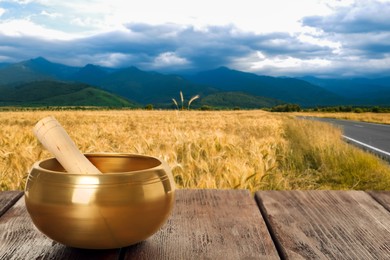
175,102
192,99
182,100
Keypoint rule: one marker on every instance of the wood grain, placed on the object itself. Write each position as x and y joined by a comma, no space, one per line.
326,224
19,239
210,224
382,197
7,199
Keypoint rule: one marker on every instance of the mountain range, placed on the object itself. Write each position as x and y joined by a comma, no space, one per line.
41,82
59,93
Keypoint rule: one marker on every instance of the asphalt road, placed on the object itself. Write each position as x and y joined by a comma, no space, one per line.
369,136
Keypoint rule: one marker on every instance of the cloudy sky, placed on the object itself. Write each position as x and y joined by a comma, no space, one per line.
271,37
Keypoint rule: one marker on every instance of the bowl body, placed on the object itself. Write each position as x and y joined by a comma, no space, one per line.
126,204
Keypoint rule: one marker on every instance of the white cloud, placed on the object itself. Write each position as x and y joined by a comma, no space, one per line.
260,55
112,59
319,41
355,66
259,63
51,14
249,15
23,2
362,16
28,28
290,62
278,37
168,59
85,22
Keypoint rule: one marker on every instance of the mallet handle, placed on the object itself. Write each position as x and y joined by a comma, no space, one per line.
55,139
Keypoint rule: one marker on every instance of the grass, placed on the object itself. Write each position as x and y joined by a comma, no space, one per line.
380,118
252,150
318,159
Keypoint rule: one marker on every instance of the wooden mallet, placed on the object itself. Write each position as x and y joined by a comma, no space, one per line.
56,140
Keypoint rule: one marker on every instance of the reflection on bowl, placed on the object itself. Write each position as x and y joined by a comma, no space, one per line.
126,204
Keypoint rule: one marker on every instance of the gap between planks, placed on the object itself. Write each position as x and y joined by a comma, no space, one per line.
326,224
217,224
8,199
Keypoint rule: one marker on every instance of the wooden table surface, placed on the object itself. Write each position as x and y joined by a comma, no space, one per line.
231,224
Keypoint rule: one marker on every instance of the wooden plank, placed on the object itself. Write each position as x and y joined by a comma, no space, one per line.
209,224
7,199
382,197
326,224
19,239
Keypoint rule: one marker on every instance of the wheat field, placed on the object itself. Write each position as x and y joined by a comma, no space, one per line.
253,150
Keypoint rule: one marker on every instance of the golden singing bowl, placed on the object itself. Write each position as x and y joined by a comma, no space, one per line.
126,204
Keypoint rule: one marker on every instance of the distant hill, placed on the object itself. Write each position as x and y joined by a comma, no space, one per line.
360,91
222,87
19,73
54,93
34,70
238,99
90,74
54,70
151,87
289,90
131,83
4,64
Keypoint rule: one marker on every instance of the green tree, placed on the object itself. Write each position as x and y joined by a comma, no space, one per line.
149,107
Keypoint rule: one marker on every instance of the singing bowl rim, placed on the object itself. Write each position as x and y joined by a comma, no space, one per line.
38,165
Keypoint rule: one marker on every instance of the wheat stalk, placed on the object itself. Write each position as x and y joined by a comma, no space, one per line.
182,100
192,99
222,149
175,102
